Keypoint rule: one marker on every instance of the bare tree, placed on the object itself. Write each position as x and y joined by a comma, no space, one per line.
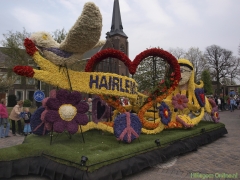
239,50
177,52
197,59
6,82
59,35
234,71
14,49
219,61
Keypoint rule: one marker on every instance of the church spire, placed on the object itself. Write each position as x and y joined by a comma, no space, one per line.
116,27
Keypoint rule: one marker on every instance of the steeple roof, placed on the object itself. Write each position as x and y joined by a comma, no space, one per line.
116,27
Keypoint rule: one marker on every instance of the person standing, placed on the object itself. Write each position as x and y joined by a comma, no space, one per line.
219,103
90,109
232,104
26,117
15,116
4,119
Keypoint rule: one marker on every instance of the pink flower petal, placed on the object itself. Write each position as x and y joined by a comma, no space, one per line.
43,115
44,101
53,93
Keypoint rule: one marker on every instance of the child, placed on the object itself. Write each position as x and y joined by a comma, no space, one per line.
26,115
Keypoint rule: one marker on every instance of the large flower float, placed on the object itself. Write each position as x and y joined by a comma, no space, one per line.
181,102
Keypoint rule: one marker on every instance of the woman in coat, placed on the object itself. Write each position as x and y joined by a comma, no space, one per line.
15,116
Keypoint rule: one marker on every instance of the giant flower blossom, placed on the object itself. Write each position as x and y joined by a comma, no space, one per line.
215,115
165,113
66,111
179,101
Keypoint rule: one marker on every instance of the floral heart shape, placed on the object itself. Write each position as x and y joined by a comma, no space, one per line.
132,65
100,110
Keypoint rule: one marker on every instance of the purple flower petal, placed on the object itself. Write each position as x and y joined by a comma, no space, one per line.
59,126
62,95
82,107
48,126
81,119
53,104
52,116
72,127
74,98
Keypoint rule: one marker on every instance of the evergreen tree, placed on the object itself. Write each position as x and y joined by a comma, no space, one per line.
206,78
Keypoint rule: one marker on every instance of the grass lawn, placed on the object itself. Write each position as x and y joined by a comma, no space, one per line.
98,147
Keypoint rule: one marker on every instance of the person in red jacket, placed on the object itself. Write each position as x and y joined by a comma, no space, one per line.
4,119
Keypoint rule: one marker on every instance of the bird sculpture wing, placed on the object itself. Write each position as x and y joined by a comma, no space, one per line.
86,32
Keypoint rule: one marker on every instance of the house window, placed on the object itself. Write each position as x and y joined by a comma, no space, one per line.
18,80
3,76
30,81
29,95
19,94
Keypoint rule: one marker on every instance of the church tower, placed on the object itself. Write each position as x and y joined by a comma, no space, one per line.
115,39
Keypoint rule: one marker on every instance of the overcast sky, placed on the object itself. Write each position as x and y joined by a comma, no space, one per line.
147,23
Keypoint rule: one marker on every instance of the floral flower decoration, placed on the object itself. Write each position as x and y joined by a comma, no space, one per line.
165,113
127,127
66,111
179,101
199,92
215,115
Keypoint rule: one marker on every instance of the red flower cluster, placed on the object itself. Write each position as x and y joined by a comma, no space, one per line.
30,46
24,71
132,66
106,54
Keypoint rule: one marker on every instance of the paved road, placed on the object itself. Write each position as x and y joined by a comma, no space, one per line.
221,156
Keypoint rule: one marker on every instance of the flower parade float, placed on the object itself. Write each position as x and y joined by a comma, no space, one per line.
153,128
